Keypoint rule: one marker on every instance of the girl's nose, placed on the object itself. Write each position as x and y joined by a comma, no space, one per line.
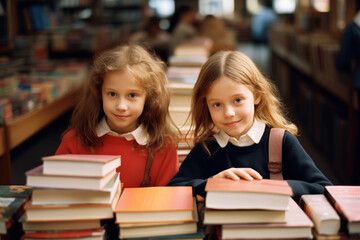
229,111
121,105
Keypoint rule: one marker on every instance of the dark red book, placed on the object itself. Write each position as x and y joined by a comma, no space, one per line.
95,234
346,201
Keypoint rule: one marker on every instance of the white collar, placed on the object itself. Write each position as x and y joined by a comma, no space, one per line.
139,134
252,136
357,19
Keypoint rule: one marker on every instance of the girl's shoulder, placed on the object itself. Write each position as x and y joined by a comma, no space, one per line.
287,135
70,133
169,144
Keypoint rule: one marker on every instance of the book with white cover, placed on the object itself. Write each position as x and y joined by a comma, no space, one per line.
43,196
80,164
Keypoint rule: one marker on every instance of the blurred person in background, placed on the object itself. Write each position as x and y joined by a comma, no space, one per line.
183,26
215,28
153,38
261,22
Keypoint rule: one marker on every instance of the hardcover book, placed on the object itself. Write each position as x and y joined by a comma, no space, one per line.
156,229
69,212
346,201
183,74
242,194
12,200
44,196
93,234
59,225
80,164
36,178
155,204
297,225
320,211
199,235
227,216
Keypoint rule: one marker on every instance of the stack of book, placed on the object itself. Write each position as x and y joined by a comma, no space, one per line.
185,143
259,209
183,71
72,194
180,103
192,53
152,212
183,74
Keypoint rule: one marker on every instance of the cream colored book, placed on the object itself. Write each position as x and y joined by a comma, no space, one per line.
323,215
89,165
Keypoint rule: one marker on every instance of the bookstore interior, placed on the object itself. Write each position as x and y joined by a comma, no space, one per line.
46,52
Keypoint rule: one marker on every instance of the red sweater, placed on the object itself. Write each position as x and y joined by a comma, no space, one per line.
164,166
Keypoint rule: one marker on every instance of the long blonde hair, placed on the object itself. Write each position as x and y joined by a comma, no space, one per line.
238,67
149,71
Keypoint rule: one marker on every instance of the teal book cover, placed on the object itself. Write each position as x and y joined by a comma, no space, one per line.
12,200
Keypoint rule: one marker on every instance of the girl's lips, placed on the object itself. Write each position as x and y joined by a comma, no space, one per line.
121,117
231,124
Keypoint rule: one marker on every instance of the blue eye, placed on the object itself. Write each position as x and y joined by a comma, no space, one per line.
216,105
112,94
132,95
237,100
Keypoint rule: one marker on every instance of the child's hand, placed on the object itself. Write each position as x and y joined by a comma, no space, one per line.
239,173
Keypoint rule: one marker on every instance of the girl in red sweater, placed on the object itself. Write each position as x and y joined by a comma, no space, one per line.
123,110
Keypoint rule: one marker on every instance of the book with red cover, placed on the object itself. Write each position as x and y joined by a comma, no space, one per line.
242,194
80,164
66,234
297,225
346,201
155,204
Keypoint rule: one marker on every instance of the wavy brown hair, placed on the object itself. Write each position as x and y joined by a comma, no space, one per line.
149,71
238,67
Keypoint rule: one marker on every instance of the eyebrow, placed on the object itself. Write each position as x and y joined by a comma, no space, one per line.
130,90
232,96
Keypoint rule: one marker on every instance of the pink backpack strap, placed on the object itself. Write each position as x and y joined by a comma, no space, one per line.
147,178
275,153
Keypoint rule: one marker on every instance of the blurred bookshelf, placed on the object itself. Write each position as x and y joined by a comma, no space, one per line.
303,66
45,50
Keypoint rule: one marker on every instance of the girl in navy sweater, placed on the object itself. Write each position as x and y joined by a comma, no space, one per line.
233,108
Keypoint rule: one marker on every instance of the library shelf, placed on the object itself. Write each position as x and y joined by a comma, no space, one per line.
14,133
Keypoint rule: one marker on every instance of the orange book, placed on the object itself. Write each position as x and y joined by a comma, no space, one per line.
80,164
155,204
242,194
346,201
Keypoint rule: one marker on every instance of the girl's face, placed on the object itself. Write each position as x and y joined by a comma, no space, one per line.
123,101
231,106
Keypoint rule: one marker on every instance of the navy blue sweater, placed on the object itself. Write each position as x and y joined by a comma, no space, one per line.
298,168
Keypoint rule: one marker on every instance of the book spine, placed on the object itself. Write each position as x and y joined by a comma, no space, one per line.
320,211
